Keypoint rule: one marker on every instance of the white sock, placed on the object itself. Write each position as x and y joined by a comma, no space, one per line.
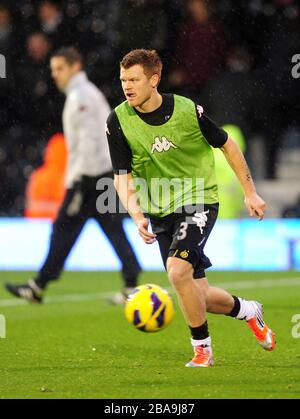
205,342
247,310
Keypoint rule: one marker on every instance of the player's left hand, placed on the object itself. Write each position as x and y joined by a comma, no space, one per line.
256,206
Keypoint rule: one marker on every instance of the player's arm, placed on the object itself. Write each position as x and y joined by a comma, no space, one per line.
121,157
218,138
125,188
254,203
87,125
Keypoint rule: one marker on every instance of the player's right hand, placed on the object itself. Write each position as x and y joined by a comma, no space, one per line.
143,226
256,206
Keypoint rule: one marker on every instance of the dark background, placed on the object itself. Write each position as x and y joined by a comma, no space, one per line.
234,59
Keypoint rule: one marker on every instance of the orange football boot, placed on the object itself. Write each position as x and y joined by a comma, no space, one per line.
203,357
264,335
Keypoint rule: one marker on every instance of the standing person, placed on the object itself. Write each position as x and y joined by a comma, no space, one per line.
155,138
84,117
193,66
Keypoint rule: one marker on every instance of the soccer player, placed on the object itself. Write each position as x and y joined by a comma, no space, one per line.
84,117
155,138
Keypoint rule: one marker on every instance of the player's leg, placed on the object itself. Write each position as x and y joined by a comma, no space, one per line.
180,274
65,231
219,301
113,228
192,301
184,256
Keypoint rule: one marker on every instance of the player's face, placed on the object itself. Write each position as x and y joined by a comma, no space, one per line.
62,71
137,87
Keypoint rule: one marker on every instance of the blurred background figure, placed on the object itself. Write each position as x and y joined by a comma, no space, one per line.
9,49
46,187
53,23
275,115
131,35
201,49
6,30
40,104
229,95
38,48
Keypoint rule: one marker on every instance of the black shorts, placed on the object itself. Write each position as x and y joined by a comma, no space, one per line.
184,234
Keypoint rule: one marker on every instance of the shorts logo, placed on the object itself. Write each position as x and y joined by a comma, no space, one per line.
200,218
161,145
184,254
200,111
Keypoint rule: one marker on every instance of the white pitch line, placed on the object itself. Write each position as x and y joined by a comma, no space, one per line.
263,283
77,298
240,285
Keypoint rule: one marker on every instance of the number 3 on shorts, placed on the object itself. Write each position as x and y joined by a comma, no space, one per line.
183,231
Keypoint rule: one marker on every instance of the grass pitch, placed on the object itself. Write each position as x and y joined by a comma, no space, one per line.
79,346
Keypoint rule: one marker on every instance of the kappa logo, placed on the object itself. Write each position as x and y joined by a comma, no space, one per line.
161,145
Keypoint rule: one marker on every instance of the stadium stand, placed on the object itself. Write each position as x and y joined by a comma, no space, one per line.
248,69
